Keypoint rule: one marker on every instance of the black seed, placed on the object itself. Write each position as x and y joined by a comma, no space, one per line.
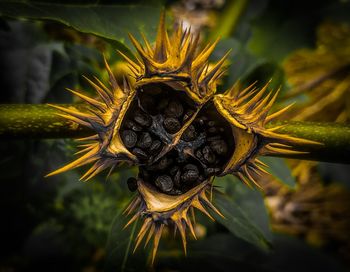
211,123
142,119
190,167
129,138
145,141
190,176
132,125
174,109
174,170
208,155
189,134
164,183
132,184
219,147
155,147
211,171
140,154
164,162
212,130
214,138
171,125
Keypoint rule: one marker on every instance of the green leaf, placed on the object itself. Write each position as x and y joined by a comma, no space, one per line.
109,22
238,222
280,170
120,247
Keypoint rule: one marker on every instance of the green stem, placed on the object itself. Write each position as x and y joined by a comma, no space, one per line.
228,21
42,122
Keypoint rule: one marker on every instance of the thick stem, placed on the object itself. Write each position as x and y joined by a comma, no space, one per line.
41,121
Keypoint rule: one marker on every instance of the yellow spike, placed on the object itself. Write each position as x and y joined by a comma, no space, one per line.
89,146
278,113
261,163
150,234
136,215
196,203
130,62
244,179
145,226
182,231
272,101
105,89
89,138
157,235
100,91
112,79
160,51
250,177
147,44
256,98
99,166
85,159
91,101
75,120
145,58
203,56
276,150
132,205
207,202
189,224
215,69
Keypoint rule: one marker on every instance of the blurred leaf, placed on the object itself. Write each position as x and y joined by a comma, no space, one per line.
280,170
237,222
240,60
323,74
109,22
282,28
120,246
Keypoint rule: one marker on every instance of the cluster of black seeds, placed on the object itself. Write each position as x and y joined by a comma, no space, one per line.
156,115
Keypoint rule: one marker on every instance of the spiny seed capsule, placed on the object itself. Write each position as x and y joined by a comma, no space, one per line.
145,141
129,138
174,109
189,134
164,183
142,119
132,184
171,125
219,147
133,126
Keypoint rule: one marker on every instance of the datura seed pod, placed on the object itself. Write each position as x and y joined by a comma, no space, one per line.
181,134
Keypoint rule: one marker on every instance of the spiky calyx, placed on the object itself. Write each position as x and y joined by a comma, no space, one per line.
171,124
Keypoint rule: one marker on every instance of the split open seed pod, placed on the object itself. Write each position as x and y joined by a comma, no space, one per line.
181,134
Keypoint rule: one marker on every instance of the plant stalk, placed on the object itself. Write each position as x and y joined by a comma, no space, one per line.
38,121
